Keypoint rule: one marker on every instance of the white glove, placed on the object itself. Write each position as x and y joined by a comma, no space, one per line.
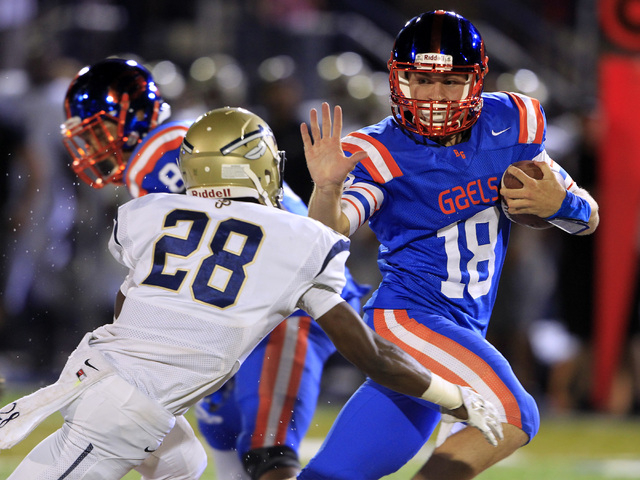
482,414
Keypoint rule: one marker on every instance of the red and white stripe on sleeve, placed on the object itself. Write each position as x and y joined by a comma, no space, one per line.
531,118
361,199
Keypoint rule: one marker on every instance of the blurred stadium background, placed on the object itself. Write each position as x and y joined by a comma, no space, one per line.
567,315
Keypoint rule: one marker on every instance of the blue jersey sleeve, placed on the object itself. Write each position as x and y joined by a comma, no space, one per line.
153,166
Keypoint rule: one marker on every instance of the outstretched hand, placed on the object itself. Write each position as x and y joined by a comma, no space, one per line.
326,161
480,413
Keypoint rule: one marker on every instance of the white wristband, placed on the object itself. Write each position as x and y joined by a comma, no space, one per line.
443,393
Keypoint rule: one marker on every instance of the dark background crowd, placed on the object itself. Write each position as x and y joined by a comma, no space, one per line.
279,58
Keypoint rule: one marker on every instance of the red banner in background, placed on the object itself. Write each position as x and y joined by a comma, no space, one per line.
620,21
618,195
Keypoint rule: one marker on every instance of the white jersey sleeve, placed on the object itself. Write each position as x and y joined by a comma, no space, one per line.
209,279
317,301
322,296
115,248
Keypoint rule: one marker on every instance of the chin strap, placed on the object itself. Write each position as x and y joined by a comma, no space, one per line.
256,181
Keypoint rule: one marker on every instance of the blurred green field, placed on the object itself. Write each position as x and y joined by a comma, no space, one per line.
567,448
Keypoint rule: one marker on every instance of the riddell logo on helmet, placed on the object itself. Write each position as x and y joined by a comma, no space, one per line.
435,59
211,192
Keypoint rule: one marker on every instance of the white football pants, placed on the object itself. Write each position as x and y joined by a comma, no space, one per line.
109,430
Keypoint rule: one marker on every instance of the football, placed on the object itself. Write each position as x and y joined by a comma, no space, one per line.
511,181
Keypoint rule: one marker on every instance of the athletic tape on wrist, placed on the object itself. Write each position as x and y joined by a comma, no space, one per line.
573,215
443,393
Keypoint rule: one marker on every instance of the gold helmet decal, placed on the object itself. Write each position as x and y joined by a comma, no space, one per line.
232,153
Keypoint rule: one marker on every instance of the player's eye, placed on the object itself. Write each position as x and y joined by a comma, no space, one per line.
420,79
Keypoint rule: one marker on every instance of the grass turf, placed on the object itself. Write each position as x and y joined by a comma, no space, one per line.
586,447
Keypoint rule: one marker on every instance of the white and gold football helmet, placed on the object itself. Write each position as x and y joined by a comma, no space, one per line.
232,153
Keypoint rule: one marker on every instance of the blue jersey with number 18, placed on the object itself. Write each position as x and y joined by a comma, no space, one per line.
434,208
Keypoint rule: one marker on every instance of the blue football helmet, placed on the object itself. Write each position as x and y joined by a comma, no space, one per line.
439,42
110,106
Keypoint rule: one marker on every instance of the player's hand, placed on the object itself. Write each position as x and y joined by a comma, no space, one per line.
326,161
480,413
537,197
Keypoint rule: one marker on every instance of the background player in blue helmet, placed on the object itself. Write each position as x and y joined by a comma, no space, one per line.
427,179
263,413
116,105
114,110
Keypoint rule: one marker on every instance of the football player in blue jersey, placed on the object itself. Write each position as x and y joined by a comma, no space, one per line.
262,414
427,179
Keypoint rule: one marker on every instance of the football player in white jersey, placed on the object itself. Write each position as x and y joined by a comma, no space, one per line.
427,180
256,422
117,105
210,274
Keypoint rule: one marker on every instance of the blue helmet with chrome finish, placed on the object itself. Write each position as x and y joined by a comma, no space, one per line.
439,42
110,106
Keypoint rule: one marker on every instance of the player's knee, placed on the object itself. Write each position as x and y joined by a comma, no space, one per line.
186,461
515,436
197,461
260,460
465,454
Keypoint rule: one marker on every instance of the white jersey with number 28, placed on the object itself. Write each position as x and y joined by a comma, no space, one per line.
208,279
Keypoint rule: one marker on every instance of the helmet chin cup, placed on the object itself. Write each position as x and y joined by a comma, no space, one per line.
433,113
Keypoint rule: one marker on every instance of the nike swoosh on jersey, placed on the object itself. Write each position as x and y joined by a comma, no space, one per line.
86,362
495,134
148,450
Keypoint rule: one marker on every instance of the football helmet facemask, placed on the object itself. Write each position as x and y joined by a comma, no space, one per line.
232,153
439,42
110,106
